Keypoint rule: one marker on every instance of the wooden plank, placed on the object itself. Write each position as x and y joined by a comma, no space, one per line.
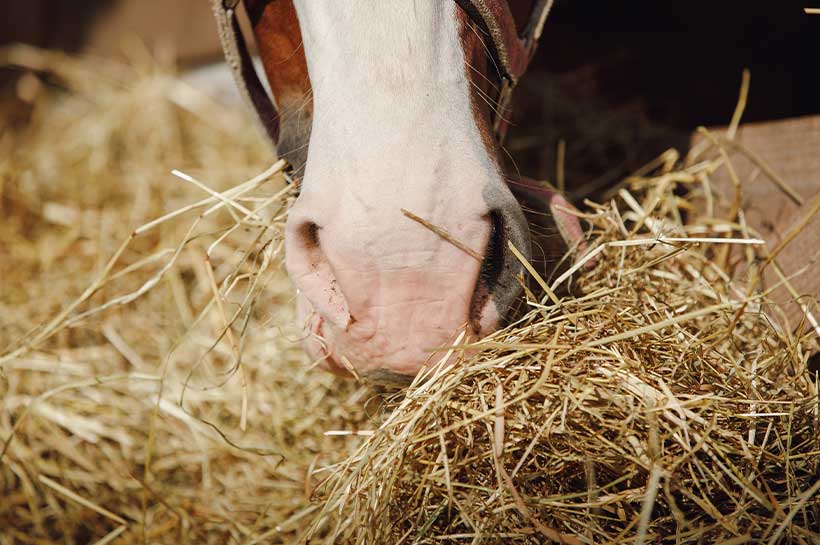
102,27
791,150
185,26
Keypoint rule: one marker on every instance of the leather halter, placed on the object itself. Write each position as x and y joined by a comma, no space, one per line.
510,50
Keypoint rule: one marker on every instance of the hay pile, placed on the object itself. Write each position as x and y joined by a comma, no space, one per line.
170,402
659,406
120,422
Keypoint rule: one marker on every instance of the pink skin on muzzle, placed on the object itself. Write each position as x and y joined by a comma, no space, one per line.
386,295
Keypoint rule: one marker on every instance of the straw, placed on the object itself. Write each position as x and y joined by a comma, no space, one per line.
659,402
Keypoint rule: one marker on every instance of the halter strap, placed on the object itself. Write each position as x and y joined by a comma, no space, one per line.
511,53
244,73
510,50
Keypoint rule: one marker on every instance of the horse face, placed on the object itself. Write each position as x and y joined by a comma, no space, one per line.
398,240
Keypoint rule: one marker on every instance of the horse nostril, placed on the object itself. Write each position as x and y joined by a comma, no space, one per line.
493,263
499,286
308,232
312,272
491,270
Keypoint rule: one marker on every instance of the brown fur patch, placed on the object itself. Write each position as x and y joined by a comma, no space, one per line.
279,40
483,90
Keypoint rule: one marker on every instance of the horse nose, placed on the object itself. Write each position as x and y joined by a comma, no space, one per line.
382,293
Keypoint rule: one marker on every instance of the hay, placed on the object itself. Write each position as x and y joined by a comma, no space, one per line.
120,404
170,402
661,405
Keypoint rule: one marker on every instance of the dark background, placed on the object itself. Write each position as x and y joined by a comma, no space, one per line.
621,81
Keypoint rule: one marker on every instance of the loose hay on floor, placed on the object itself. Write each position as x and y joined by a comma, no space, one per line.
87,447
658,404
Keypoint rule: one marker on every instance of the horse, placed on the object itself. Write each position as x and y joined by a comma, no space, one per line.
407,223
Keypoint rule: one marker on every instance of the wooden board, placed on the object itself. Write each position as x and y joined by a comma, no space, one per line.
102,27
791,150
